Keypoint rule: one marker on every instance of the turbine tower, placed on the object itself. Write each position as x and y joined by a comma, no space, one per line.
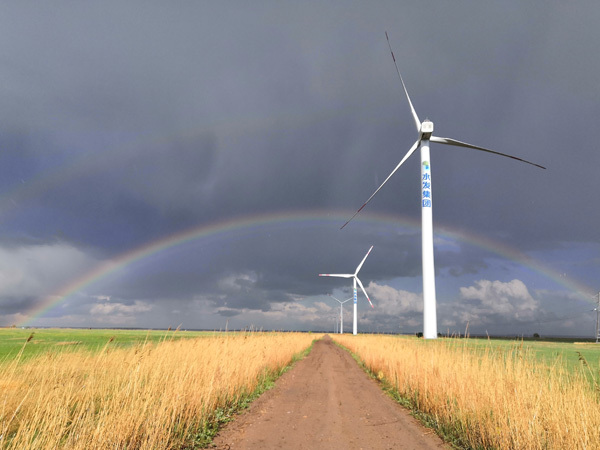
355,278
425,135
341,312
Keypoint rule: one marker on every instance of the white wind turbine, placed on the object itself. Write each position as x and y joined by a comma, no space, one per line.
341,312
425,130
355,278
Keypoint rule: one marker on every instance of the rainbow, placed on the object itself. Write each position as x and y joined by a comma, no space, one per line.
245,224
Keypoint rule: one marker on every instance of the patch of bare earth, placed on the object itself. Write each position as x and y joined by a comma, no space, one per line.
326,402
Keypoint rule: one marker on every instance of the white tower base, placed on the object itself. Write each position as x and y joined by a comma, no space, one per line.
355,324
429,302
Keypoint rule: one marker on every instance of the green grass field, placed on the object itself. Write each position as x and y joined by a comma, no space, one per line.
570,354
12,340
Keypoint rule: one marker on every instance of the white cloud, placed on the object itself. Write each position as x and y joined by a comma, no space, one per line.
237,282
118,313
284,315
120,308
298,311
495,305
394,301
485,303
323,306
510,300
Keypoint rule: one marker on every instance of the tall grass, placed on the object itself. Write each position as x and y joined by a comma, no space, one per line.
486,398
151,396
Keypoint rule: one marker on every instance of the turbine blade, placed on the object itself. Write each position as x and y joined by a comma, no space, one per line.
334,298
410,152
339,275
341,302
414,113
364,292
448,141
363,261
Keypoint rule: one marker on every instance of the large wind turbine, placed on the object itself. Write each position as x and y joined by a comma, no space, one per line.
425,131
355,278
341,312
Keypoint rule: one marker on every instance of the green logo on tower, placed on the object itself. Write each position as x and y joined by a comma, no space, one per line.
426,164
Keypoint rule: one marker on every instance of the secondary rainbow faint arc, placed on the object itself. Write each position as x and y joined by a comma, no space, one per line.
250,222
87,162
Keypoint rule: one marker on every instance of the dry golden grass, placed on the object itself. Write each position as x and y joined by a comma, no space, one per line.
486,399
153,396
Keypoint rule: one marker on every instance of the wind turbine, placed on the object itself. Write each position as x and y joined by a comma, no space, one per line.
425,131
341,312
355,278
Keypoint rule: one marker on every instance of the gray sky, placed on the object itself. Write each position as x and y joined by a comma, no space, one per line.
258,129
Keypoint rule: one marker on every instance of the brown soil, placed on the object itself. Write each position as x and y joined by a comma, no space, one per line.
326,402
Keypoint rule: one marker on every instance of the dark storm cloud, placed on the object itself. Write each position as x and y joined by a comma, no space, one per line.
228,312
304,157
125,123
157,180
15,304
468,260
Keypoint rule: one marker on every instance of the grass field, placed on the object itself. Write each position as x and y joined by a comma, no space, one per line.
135,395
12,340
569,354
490,394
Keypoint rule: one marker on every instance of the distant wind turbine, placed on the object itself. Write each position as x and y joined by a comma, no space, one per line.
425,130
355,278
341,312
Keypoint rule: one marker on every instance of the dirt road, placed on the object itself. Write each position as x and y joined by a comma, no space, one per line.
326,402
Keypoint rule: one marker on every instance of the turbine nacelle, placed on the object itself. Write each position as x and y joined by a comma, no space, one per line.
426,130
